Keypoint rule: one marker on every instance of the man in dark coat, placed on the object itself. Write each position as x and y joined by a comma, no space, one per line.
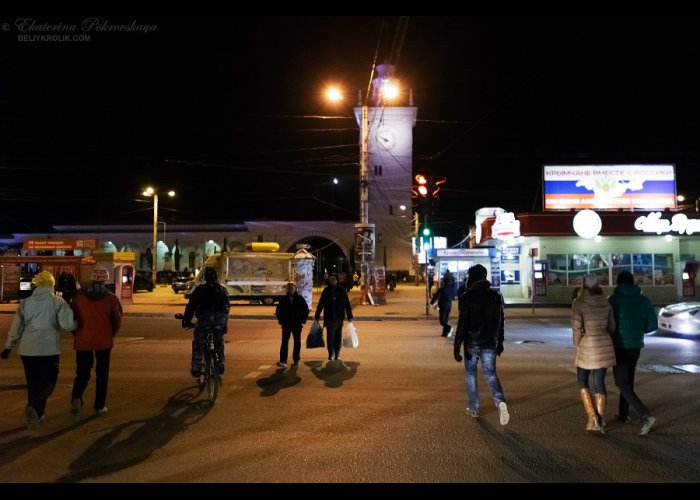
444,297
634,316
209,303
481,328
292,312
335,304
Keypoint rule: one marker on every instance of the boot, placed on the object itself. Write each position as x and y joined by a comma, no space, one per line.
600,407
587,399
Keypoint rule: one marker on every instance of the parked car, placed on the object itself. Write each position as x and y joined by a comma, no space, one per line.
182,283
166,277
143,281
682,318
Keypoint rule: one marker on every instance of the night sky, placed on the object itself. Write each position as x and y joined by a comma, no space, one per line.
223,111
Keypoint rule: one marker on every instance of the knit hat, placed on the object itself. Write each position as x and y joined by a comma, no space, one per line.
590,281
99,274
44,278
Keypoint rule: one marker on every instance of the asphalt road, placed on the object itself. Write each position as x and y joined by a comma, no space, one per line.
394,411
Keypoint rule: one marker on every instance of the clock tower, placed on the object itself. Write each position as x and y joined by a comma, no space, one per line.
389,173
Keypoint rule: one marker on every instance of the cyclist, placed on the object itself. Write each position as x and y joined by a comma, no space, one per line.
209,303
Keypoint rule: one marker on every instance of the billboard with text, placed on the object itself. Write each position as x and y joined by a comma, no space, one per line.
609,187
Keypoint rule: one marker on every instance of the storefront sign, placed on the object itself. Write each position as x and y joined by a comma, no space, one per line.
609,187
679,223
60,244
463,252
510,259
505,227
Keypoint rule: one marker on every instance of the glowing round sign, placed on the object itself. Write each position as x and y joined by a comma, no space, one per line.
587,224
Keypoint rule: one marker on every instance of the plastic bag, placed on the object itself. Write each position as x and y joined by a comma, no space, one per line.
315,337
350,337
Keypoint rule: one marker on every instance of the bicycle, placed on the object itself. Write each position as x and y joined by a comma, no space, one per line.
210,378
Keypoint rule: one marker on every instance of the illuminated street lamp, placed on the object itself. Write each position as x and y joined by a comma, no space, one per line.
685,206
149,191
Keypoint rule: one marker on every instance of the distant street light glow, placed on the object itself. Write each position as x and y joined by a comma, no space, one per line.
334,94
390,90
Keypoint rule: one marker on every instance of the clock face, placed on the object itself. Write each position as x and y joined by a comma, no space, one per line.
386,137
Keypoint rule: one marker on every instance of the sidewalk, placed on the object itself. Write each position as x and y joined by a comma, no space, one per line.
406,303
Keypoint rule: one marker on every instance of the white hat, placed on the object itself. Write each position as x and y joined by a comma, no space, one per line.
591,281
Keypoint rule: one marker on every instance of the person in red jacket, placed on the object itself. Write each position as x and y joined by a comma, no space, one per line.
98,314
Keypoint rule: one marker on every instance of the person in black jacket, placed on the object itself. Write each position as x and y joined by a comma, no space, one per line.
481,329
334,303
210,304
443,297
292,312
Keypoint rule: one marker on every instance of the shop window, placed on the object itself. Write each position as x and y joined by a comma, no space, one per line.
578,262
578,268
663,269
603,276
642,269
576,278
620,262
556,272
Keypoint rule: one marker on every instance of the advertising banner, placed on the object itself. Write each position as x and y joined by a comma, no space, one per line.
609,187
364,243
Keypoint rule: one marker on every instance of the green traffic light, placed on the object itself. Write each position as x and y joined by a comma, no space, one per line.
426,231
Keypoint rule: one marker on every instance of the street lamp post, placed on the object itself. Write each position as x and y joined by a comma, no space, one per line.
149,191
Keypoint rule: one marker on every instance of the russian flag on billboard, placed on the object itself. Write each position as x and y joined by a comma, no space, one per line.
609,187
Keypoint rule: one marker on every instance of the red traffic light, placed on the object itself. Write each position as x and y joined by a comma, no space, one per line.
420,190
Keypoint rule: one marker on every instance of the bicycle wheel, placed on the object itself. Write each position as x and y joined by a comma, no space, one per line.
212,379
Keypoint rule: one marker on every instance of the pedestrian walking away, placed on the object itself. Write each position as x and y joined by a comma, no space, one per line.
292,312
443,298
36,330
634,316
98,314
481,329
592,324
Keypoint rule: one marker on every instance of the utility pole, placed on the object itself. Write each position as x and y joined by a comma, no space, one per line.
427,274
364,201
154,248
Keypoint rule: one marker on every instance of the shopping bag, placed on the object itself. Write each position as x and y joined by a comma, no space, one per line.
315,337
350,337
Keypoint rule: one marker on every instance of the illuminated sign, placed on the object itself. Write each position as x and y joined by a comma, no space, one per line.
609,187
587,224
463,252
60,244
505,227
679,223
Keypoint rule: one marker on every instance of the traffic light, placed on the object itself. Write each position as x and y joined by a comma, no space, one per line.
434,186
425,234
420,188
426,187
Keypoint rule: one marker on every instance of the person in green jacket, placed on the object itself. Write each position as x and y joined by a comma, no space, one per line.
634,316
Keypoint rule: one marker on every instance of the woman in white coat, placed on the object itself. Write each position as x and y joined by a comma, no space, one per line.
36,330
